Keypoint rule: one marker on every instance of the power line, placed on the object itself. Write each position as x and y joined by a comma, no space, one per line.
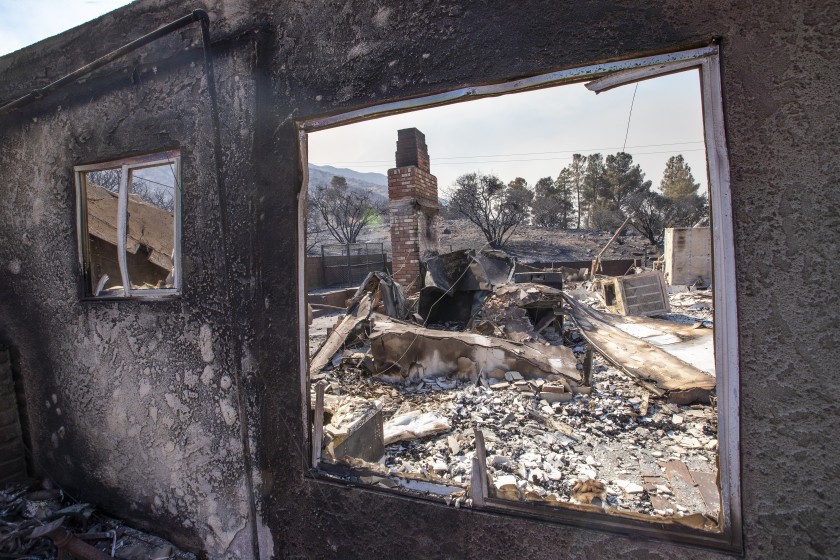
632,101
579,150
437,163
147,180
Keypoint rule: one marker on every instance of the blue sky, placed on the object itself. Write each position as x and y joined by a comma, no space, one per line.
528,135
23,22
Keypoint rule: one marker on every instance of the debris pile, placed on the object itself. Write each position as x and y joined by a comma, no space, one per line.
40,521
505,385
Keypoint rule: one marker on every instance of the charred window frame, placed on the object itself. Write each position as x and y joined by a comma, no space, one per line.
599,77
94,285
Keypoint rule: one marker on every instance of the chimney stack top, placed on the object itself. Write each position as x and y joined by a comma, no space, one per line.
412,150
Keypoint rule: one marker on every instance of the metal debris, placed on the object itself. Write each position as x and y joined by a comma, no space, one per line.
650,365
38,521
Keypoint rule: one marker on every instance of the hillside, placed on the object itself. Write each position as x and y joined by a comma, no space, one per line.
376,183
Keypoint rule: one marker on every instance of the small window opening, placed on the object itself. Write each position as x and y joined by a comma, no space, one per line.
129,224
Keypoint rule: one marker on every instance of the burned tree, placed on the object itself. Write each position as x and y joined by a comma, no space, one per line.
649,211
344,211
315,228
495,208
679,188
553,201
150,191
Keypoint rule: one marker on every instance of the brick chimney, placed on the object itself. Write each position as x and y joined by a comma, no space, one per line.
413,207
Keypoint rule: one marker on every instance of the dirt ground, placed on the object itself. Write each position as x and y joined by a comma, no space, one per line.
531,243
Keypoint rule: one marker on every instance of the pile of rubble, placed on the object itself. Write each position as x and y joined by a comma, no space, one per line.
40,521
513,389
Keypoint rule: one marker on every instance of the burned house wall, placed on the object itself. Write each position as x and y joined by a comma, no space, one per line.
688,256
134,405
106,363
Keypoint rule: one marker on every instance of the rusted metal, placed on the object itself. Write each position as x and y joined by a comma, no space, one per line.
69,546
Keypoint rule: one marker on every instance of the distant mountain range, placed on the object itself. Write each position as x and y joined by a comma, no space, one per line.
377,183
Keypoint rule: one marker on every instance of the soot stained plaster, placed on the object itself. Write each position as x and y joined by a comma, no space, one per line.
139,405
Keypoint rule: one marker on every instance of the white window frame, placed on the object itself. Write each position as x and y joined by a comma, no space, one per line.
601,77
126,167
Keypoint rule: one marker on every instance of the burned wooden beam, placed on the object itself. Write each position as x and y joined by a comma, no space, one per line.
416,352
644,358
346,325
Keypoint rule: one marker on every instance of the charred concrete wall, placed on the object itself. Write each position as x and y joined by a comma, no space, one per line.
140,405
132,404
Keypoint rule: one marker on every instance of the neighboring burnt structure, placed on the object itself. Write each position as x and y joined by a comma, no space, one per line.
185,415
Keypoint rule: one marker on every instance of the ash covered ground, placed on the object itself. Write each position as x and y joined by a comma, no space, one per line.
644,455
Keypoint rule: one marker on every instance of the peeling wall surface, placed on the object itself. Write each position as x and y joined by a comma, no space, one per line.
185,416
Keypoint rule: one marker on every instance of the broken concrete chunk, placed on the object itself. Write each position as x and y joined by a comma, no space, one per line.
553,388
454,445
414,425
513,376
629,487
555,397
523,386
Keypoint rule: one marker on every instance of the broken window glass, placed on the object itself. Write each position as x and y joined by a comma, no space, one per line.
537,344
150,235
129,240
102,189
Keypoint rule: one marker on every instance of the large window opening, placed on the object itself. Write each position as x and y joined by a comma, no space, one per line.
548,325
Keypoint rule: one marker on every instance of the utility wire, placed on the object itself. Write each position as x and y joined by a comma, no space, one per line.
579,150
527,160
632,101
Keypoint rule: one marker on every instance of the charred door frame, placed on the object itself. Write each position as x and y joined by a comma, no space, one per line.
601,77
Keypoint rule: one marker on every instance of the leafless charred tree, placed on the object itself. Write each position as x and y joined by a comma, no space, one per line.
495,208
159,195
649,211
344,211
315,229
